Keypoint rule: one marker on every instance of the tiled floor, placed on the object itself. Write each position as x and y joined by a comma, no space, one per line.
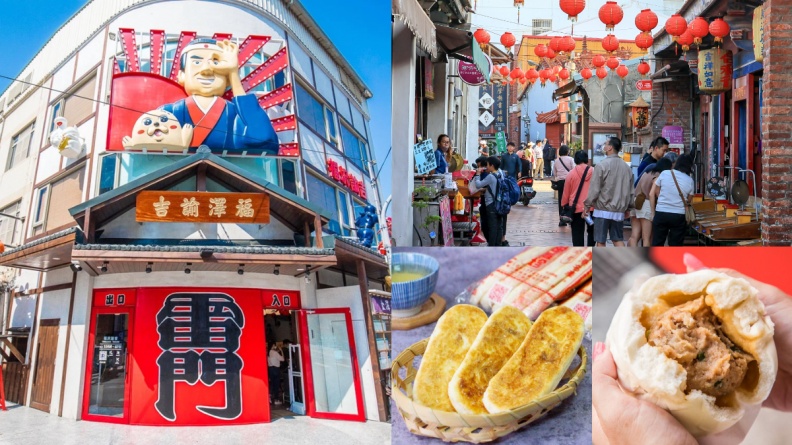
32,427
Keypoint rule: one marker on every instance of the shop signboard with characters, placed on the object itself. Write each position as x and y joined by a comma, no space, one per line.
230,95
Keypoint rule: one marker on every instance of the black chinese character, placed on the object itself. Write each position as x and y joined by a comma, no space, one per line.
199,336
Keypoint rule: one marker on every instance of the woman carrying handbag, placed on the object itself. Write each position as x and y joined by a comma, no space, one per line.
560,174
575,192
669,197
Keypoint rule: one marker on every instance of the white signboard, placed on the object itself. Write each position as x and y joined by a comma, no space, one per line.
486,118
486,101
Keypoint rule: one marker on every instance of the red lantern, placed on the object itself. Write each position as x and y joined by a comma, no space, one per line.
540,50
622,71
685,40
482,37
586,73
643,68
516,73
523,80
507,40
551,54
719,29
563,74
555,43
556,69
675,26
544,74
646,20
552,78
644,41
504,70
568,44
610,14
572,8
602,73
610,43
598,61
613,63
699,28
532,75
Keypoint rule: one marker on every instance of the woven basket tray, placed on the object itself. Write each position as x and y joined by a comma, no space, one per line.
455,427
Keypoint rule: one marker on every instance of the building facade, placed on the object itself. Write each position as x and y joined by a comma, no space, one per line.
114,302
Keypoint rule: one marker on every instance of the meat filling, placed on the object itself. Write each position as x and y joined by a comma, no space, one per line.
692,335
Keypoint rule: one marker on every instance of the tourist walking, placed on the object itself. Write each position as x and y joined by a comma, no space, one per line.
510,162
483,148
549,155
539,164
561,169
610,193
489,182
526,163
671,192
582,172
642,214
657,149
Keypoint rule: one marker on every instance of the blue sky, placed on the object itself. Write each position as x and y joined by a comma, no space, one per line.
363,37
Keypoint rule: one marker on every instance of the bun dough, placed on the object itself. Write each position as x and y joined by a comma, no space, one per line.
645,371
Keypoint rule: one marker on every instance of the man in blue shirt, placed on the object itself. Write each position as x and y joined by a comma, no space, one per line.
657,150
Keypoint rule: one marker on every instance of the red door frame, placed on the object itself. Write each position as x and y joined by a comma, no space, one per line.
130,311
305,340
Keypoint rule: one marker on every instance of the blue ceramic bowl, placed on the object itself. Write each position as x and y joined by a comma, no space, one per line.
408,297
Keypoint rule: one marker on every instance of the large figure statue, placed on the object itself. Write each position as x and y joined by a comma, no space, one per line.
365,223
207,69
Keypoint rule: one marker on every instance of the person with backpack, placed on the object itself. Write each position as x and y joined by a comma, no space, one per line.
496,199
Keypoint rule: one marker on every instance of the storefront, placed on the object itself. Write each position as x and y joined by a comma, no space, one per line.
193,198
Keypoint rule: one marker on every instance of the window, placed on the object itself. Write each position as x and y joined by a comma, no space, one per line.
65,193
78,104
289,176
20,146
346,223
41,205
107,173
355,148
541,26
57,111
323,195
10,228
316,114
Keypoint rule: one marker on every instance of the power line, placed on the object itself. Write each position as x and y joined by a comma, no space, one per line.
197,125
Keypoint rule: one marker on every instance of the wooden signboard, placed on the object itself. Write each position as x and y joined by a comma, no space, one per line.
202,207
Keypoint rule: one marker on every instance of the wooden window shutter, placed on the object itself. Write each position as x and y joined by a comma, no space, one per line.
75,108
65,194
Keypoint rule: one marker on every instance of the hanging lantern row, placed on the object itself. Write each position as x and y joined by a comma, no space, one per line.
572,8
611,14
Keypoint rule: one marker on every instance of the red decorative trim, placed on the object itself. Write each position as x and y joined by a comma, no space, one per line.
284,123
275,64
157,41
250,46
221,36
130,49
184,39
289,149
276,97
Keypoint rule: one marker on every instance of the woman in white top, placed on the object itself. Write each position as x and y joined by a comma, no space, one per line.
274,360
561,167
642,218
667,200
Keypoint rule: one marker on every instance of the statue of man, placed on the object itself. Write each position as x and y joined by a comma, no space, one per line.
208,68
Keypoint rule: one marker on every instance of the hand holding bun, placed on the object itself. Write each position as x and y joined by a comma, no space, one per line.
698,345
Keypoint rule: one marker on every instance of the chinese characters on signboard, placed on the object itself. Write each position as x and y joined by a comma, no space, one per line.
424,157
170,206
498,108
715,71
211,323
345,178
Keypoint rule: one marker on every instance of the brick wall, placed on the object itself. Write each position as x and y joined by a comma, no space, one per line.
777,125
673,108
513,125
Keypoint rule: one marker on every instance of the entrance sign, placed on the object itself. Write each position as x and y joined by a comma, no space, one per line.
281,300
202,207
424,157
470,73
643,85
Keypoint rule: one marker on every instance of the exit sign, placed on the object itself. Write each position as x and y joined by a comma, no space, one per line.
643,85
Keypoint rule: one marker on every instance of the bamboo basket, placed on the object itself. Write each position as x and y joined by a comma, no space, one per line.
479,428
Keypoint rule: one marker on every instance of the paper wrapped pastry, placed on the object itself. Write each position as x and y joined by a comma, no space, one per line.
698,345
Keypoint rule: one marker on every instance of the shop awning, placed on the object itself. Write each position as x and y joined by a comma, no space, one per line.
412,14
290,209
125,258
43,254
568,89
349,252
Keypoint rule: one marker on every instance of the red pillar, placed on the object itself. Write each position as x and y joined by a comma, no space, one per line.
777,125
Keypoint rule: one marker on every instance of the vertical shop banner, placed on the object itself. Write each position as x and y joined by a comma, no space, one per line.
424,157
500,141
499,107
485,110
199,357
445,221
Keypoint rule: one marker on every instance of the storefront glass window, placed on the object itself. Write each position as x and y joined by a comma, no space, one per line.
312,148
343,200
324,86
108,370
107,173
354,148
289,175
331,364
301,62
310,110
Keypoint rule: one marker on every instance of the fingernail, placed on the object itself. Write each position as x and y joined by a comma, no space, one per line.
599,348
692,262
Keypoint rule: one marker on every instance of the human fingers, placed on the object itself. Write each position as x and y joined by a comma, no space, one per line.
624,419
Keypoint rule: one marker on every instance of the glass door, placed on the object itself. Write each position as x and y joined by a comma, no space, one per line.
296,386
106,395
332,375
